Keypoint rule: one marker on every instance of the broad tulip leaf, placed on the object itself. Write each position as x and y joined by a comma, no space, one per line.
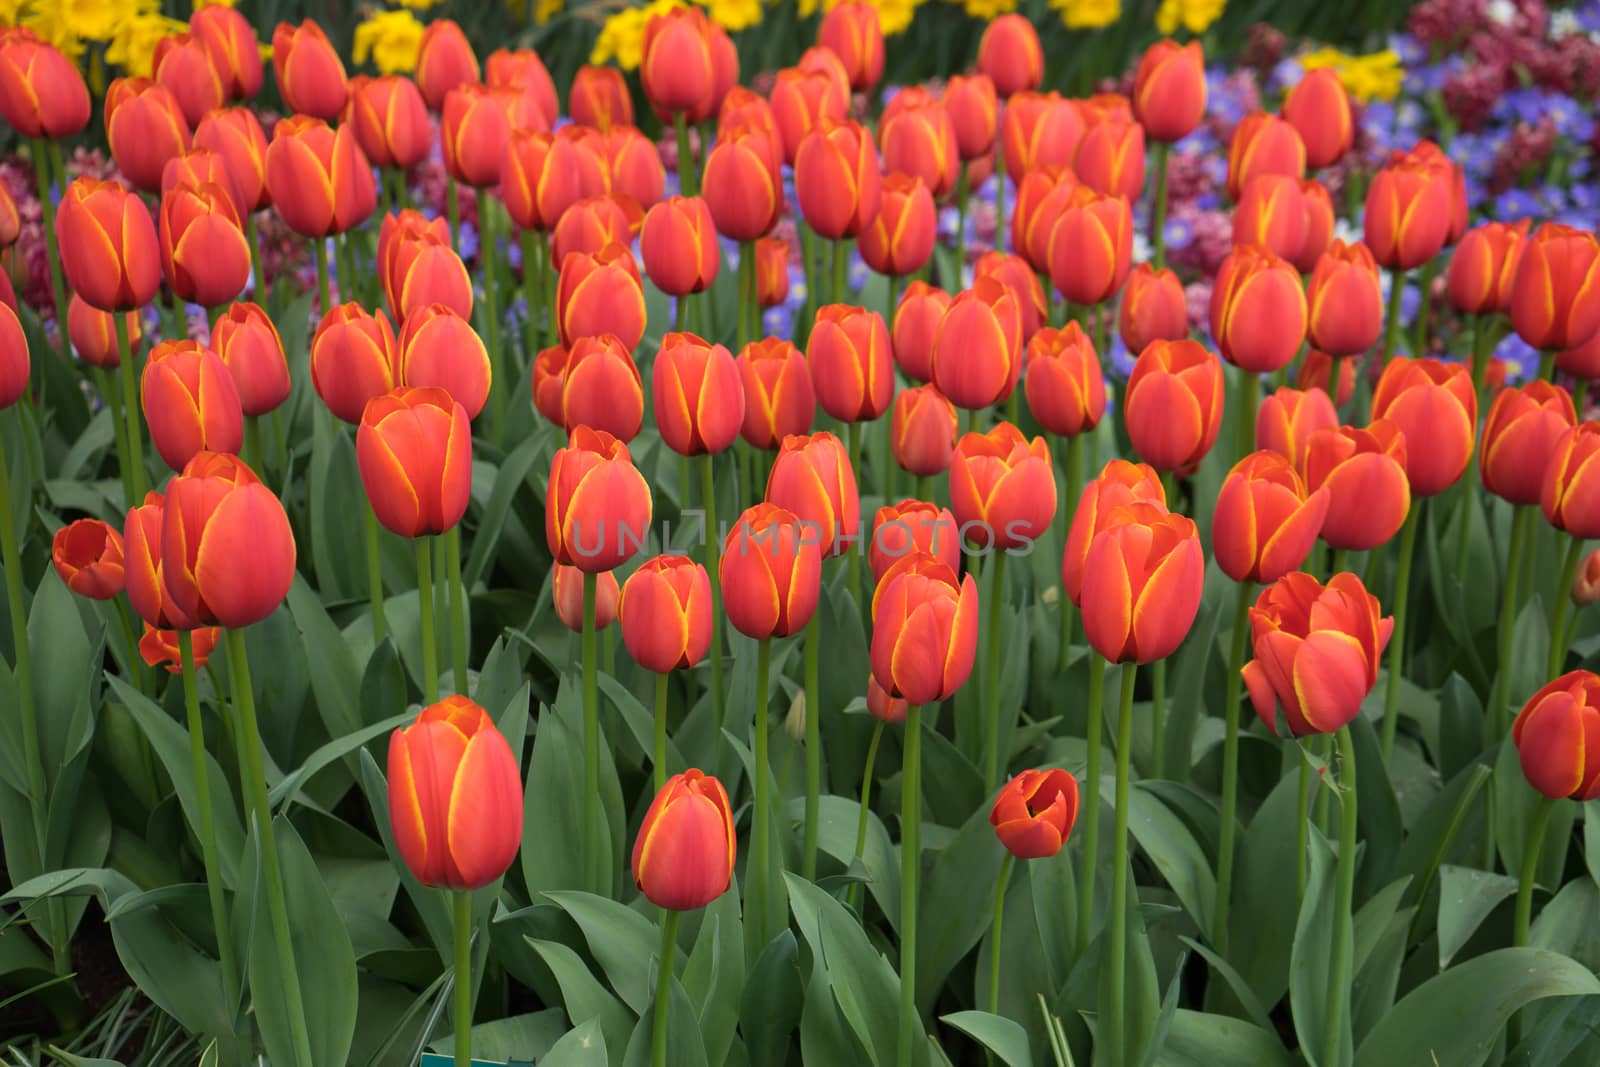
1001,1036
582,1046
1199,1039
583,996
1311,962
1466,897
865,987
621,940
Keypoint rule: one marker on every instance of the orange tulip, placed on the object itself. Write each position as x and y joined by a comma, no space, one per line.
742,186
1065,388
93,333
1009,53
922,430
1110,157
747,109
549,383
1318,207
1154,308
418,267
14,362
883,707
1554,734
779,400
1435,406
597,507
41,92
1364,472
1408,213
812,477
974,112
900,239
916,326
1287,418
10,221
440,349
1142,581
679,246
599,97
918,138
682,68
590,225
475,130
666,614
634,165
201,166
1345,301
544,174
698,394
1316,652
850,31
318,177
909,527
924,632
523,71
1263,144
825,61
88,556
231,42
1319,109
141,562
977,353
145,127
1555,300
600,293
851,367
1570,494
1169,90
772,272
1042,195
837,179
1258,310
444,61
1039,130
353,359
455,796
414,448
801,101
1316,372
1483,268
235,134
190,402
683,856
309,72
1119,484
203,250
1174,404
770,572
159,648
602,388
1035,812
1265,522
183,65
248,344
1002,487
1091,246
1271,214
1519,436
1586,586
390,120
1581,362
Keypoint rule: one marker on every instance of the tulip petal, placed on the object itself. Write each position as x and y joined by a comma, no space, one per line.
484,828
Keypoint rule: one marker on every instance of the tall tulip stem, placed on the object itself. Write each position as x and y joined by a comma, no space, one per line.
961,223
1391,322
208,833
808,856
1338,1010
711,546
660,759
1112,1013
255,782
1245,427
853,896
258,276
910,871
488,253
688,179
44,152
591,734
748,313
995,930
452,208
460,636
430,641
1158,212
1230,764
1510,597
1532,845
1563,597
461,914
1419,345
1302,824
758,895
111,393
319,245
841,272
1090,864
1397,639
130,407
669,947
1001,223
1073,462
380,625
993,765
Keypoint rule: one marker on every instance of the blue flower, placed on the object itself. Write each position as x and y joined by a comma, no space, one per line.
1524,359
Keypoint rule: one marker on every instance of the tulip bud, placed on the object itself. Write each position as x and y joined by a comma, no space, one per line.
918,138
977,352
1154,308
183,66
549,383
1319,109
600,293
418,267
1408,212
1287,418
523,71
1173,404
924,632
602,388
1586,587
599,97
742,186
1015,274
1570,494
597,506
1555,300
231,43
1345,301
235,134
666,614
779,400
922,430
1034,813
318,177
1039,130
190,402
566,590
683,856
93,333
353,359
544,174
309,72
916,326
439,348
590,225
1142,581
1318,207
1119,484
909,527
88,556
634,165
837,179
414,448
1169,90
880,705
1316,652
1258,310
216,516
390,120
851,368
1271,214
201,166
1009,53
475,130
1091,246
1519,437
1264,144
682,67
1483,269
850,31
812,477
203,249
455,796
10,221
41,92
747,109
145,127
772,272
1065,387
1435,406
679,246
1002,488
1582,362
1364,472
248,344
1316,372
1551,735
770,572
444,61
803,100
974,113
1110,157
159,648
1042,194
1265,522
900,239
699,396
147,593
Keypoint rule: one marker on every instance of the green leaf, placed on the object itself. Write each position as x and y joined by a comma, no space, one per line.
621,940
1002,1036
956,901
1140,994
582,1046
555,808
1241,990
1262,916
511,476
714,975
1466,897
683,1046
331,751
1456,1018
1198,1039
1514,804
864,985
770,1008
1172,848
836,836
1311,959
583,996
335,677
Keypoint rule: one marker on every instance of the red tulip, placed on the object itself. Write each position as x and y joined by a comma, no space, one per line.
801,101
590,225
145,127
1319,109
190,402
1287,418
913,526
772,272
812,477
1110,157
1119,484
1570,494
231,42
1154,308
159,648
770,572
1483,268
1408,212
1271,214
1555,300
899,241
309,72
683,856
922,430
977,351
438,348
918,138
1091,246
1016,274
41,92
851,368
666,614
418,267
319,179
203,249
1555,733
1263,144
1364,472
698,393
544,174
600,293
850,31
93,333
1258,310
444,61
679,246
1345,301
882,706
599,98
414,448
1169,90
1009,53
390,120
183,65
1316,372
681,68
1174,404
524,72
1035,812
88,556
974,112
602,388
837,179
1065,388
1038,130
248,344
235,134
1435,406
353,359
202,166
1142,581
779,400
1318,207
916,326
1042,195
924,631
475,130
141,562
1265,522
742,186
1002,487
1519,437
597,507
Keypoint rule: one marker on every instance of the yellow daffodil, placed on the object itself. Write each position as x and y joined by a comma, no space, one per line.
734,15
391,39
1193,15
1088,14
988,9
547,10
133,48
1375,76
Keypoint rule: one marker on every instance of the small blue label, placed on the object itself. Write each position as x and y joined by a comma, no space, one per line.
433,1059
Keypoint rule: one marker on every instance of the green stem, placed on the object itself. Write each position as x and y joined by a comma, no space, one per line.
992,764
130,407
252,445
531,277
1302,824
1090,864
1158,220
688,179
1424,312
961,223
461,913
669,945
488,252
452,208
1002,222
1230,764
380,625
43,154
1547,366
1563,597
319,246
591,733
894,281
1480,353
1324,815
759,893
854,895
208,833
910,871
660,767
841,264
249,741
1397,639
251,237
1118,945
430,647
808,857
1245,426
1494,717
1073,462
994,932
925,488
460,637
109,391
1338,1010
1391,322
1158,719
711,546
747,292
1532,845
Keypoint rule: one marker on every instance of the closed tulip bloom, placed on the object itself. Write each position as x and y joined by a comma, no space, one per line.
634,165
900,239
201,166
1519,437
1556,735
1345,301
779,400
590,225
1042,194
418,268
1318,205
390,120
1173,404
1408,212
1483,268
742,188
549,383
600,293
1258,310
977,352
1015,274
231,42
772,272
141,563
825,61
1142,581
850,31
1265,522
747,108
1319,109
319,178
837,179
918,138
974,113
93,333
916,326
922,430
801,100
145,127
1263,144
1091,246
1110,157
1570,494
597,507
1555,300
159,648
770,572
851,367
602,388
1435,406
1586,586
910,526
414,448
882,706
1288,417
309,72
545,173
444,61
698,393
439,348
678,66
248,344
455,796
1316,652
10,221
1271,214
183,66
1039,130
683,856
88,556
1065,388
1034,813
41,92
679,246
1364,473
522,70
666,614
1583,361
203,249
599,97
475,130
235,134
812,477
925,634
227,552
1316,372
189,400
1009,53
1118,484
1154,308
1169,90
354,357
1002,487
